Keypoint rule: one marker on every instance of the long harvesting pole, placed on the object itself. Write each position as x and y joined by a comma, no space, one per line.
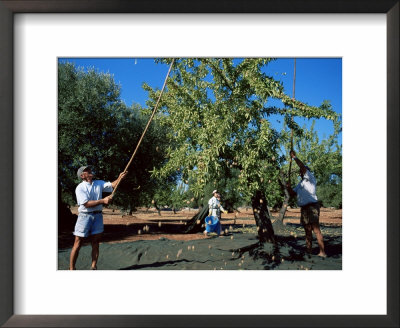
145,130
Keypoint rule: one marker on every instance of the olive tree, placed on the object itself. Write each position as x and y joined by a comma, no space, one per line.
96,128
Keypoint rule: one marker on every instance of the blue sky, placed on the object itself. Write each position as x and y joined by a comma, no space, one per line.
317,79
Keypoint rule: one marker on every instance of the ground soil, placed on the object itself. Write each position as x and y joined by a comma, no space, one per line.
147,224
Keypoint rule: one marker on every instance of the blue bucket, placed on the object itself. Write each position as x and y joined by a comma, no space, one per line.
213,224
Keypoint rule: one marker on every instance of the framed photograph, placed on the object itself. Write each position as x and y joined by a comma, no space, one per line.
35,34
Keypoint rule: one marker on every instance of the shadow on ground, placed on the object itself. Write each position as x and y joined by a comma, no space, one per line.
118,232
239,250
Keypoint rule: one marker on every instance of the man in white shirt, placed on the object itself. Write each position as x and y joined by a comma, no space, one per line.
89,195
308,202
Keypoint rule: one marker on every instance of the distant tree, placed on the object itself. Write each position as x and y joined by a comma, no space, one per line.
178,197
170,194
87,126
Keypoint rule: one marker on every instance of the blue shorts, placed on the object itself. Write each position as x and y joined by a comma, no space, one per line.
89,224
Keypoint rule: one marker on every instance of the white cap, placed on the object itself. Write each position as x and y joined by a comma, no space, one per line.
81,169
214,191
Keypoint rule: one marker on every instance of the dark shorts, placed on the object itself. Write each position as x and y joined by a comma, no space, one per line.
309,214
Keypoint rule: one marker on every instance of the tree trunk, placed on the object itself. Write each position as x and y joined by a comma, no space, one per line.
262,217
157,208
132,207
283,209
285,204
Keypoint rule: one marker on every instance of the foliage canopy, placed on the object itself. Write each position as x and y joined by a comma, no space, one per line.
217,111
96,128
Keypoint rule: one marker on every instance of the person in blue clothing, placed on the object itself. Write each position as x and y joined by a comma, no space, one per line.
214,209
308,202
89,196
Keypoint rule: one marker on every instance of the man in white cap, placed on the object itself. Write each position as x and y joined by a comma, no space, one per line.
214,207
89,195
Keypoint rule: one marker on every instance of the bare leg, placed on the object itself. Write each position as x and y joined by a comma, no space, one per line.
320,239
308,231
95,250
75,252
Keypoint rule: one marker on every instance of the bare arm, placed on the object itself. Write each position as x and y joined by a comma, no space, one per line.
298,162
120,177
222,209
93,203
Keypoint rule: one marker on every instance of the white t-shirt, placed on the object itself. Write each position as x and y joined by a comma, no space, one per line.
215,205
94,191
306,190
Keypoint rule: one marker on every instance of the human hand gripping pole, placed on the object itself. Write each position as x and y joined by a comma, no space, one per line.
107,200
145,130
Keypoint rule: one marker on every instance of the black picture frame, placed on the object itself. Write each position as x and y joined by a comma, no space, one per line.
7,200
